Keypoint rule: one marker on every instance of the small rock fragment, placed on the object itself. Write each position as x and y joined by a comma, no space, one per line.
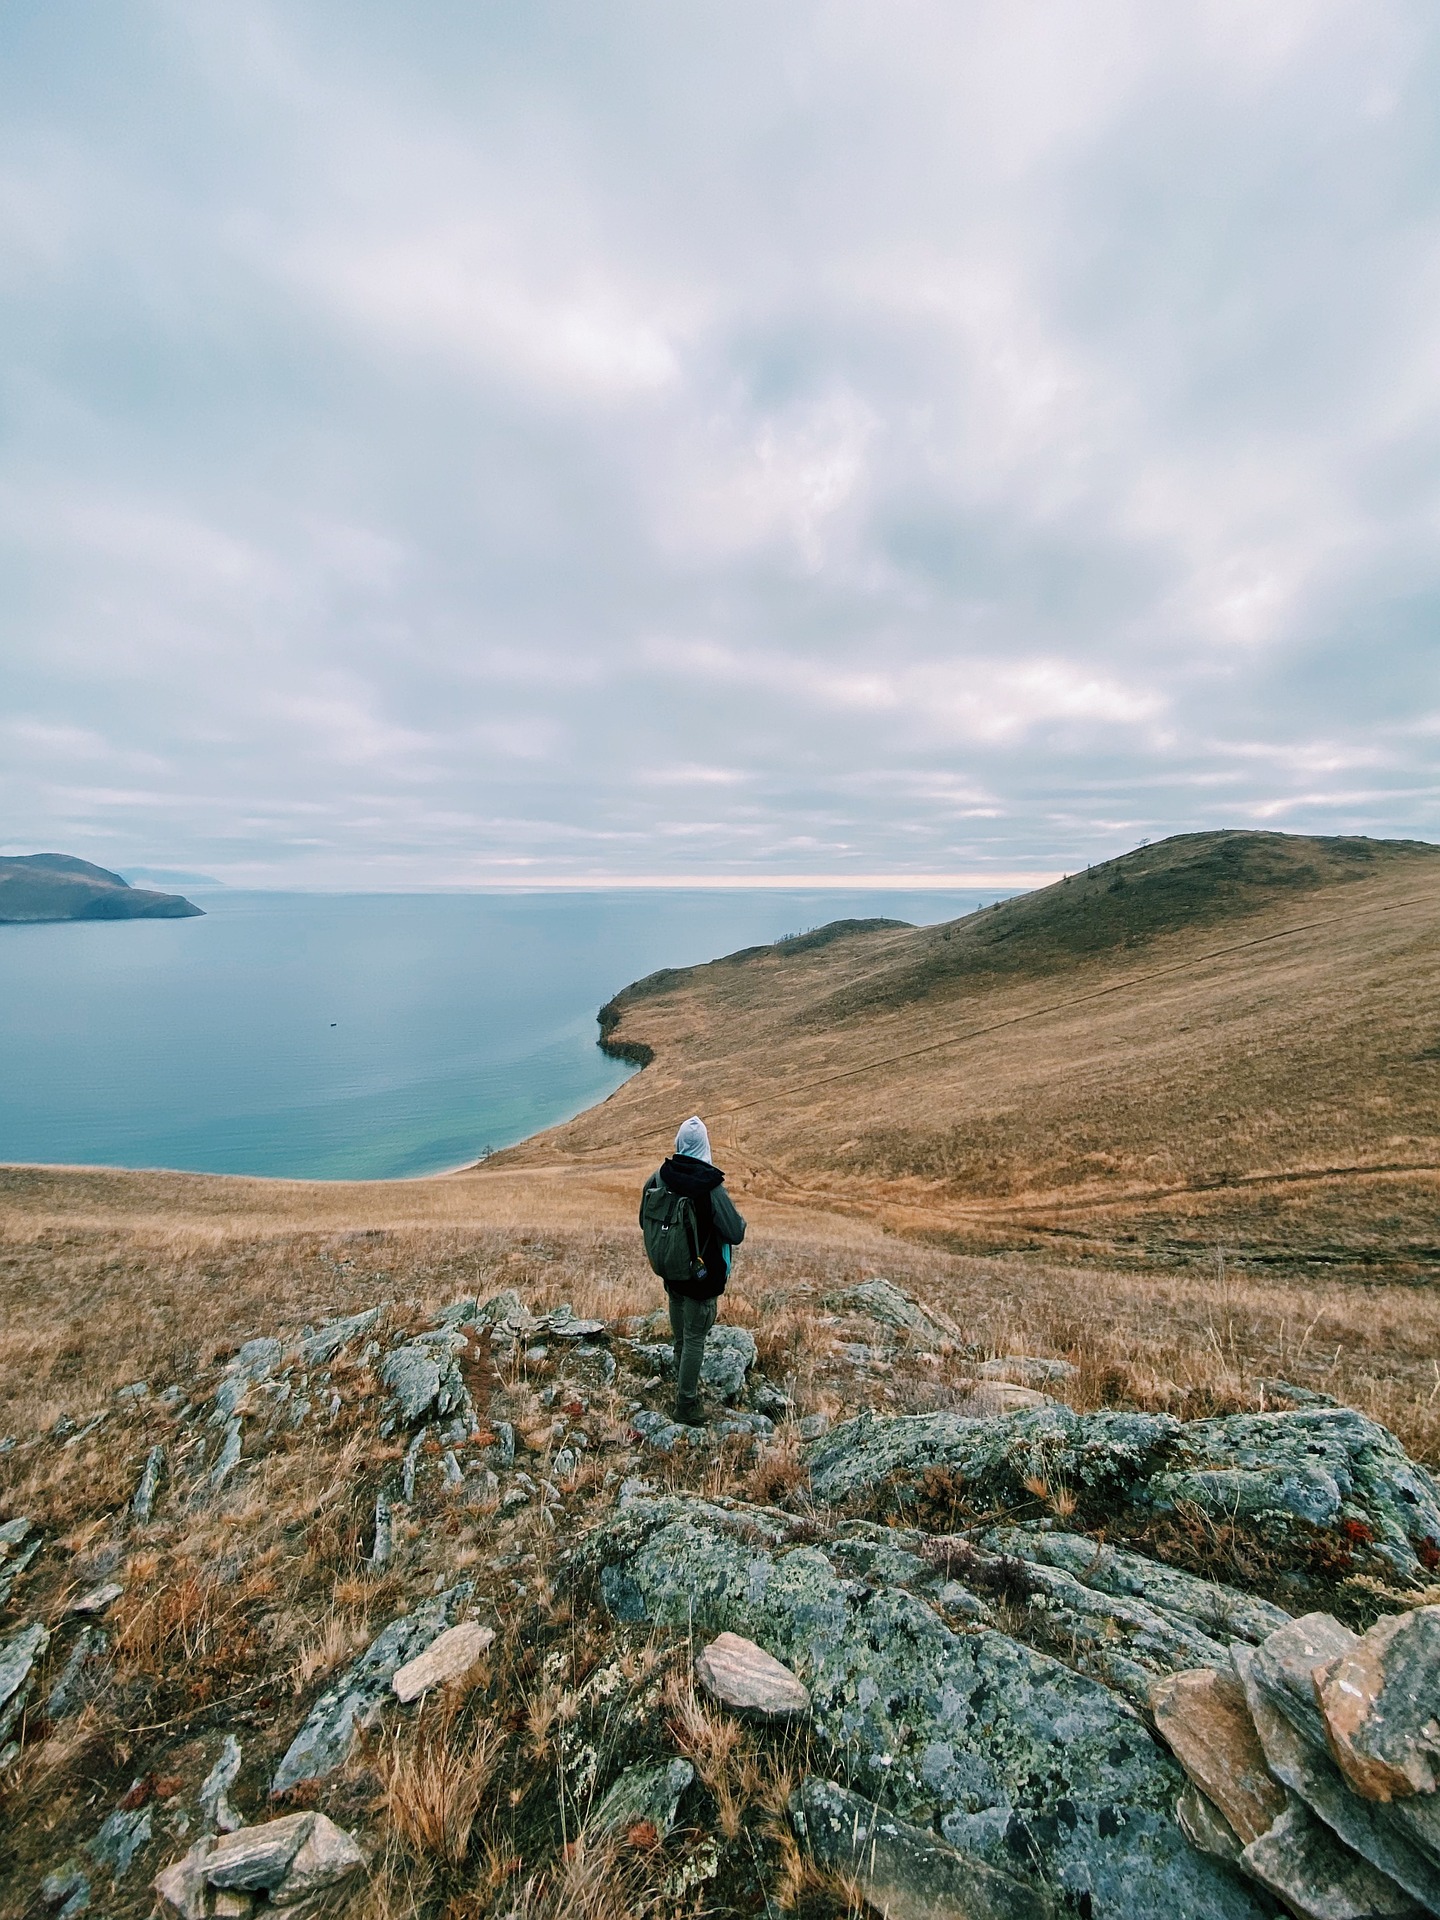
181,1887
383,1544
142,1506
644,1794
744,1676
215,1808
18,1655
1381,1706
1204,1826
98,1599
89,1640
120,1839
66,1891
229,1455
449,1656
259,1857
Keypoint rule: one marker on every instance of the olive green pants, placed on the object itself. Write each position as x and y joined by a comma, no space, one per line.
690,1321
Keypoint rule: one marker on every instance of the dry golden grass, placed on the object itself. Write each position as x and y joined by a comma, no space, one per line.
434,1780
1272,1083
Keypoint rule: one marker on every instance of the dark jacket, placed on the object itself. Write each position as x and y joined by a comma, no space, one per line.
716,1216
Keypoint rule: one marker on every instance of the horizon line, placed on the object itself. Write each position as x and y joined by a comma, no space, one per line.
688,882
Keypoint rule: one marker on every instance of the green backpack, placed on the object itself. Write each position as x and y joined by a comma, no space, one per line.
672,1236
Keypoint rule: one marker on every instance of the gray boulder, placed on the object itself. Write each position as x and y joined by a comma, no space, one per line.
356,1698
1020,1760
255,1361
424,1382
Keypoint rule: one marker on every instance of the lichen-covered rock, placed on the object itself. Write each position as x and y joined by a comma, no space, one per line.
120,1838
905,1872
18,1655
1319,1465
424,1381
1220,1611
882,1301
644,1796
1109,1453
1020,1758
1380,1701
324,1741
317,1348
255,1361
1311,1467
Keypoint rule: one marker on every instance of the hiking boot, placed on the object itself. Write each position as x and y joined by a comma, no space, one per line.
690,1413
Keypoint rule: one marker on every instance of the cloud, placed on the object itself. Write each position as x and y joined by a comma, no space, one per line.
920,438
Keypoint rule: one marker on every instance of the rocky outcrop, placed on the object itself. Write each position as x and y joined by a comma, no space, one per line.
1257,1745
905,1872
1325,1467
328,1734
1016,1758
284,1862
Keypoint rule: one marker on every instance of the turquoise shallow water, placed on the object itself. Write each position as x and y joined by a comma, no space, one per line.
347,1036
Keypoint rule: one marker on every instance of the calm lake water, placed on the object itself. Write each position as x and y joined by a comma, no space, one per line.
347,1036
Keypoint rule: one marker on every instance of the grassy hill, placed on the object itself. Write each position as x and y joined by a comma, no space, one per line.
1225,1040
56,886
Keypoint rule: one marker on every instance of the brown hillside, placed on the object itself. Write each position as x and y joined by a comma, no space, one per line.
1228,1039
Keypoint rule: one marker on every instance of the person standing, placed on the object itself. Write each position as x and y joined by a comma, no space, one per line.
690,1225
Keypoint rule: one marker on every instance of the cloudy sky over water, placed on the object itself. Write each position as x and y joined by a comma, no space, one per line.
474,442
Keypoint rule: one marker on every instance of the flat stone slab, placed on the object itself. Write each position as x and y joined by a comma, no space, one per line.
1314,1874
1381,1705
741,1675
449,1656
288,1860
1203,1717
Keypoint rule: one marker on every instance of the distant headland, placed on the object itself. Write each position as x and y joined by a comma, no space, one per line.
56,886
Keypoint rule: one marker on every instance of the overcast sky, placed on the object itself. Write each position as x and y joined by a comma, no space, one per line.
466,442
